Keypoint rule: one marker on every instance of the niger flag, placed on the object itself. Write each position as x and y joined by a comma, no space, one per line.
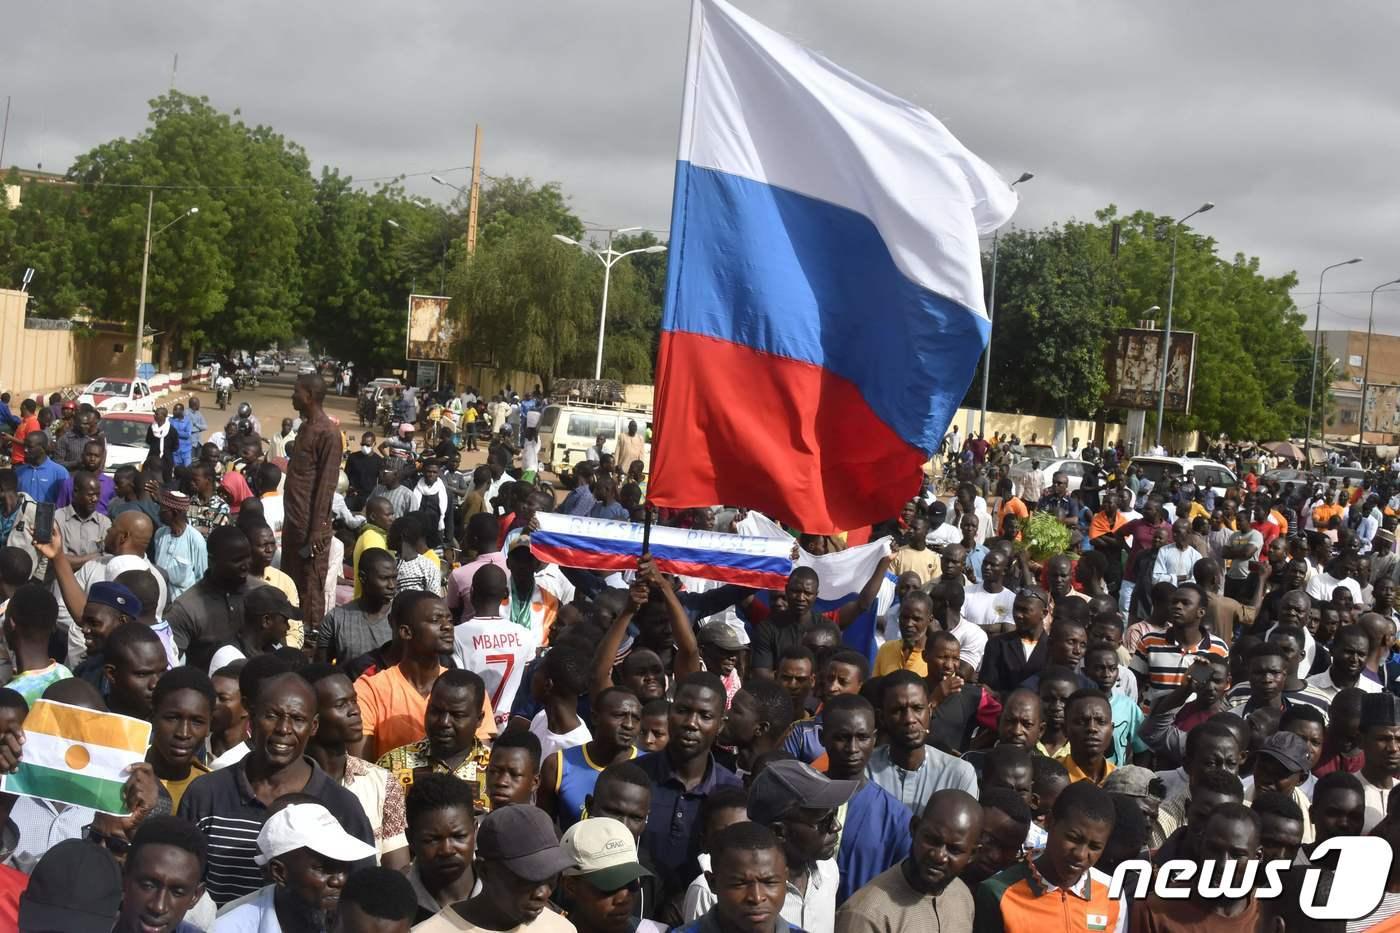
77,756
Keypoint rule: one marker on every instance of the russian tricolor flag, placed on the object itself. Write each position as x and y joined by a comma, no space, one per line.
824,310
600,544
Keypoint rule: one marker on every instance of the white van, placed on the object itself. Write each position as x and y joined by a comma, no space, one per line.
567,430
1161,470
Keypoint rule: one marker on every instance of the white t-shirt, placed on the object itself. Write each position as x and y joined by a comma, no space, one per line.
498,650
983,608
946,533
530,455
551,742
1321,586
972,643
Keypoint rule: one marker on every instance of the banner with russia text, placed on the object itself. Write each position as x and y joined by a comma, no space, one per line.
600,544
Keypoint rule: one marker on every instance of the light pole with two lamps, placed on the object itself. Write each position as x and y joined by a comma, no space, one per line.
991,315
145,266
609,258
1167,332
1317,345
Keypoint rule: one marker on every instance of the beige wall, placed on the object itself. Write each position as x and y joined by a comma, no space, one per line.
35,361
489,381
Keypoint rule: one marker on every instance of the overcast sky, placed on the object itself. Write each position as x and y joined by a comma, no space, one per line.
1285,113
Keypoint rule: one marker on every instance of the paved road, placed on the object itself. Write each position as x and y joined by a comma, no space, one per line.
272,401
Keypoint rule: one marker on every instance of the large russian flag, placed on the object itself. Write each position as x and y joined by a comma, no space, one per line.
824,308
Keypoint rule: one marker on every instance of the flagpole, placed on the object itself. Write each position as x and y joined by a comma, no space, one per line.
684,137
647,513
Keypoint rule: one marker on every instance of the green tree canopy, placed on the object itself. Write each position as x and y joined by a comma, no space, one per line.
1061,293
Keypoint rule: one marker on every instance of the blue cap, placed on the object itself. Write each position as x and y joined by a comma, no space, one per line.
117,596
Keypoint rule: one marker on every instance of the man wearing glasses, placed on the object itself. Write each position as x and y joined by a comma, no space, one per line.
801,806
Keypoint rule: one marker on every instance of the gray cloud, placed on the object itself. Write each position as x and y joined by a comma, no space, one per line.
1284,113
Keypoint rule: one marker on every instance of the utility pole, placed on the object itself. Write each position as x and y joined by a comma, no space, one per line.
145,264
4,132
474,199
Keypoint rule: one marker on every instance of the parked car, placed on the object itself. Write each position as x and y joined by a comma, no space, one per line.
114,393
1288,475
1076,471
1353,474
126,437
1161,470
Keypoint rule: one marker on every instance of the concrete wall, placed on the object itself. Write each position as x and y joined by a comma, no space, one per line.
40,360
489,380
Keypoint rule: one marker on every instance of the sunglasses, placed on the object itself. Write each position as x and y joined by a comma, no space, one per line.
1033,593
113,844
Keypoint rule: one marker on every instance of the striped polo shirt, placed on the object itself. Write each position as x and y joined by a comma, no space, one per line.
1164,660
222,804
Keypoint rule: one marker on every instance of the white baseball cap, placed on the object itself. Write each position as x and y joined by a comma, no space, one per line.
603,852
308,826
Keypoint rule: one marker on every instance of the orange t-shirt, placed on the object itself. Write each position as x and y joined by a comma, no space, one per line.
1324,514
394,712
1012,505
26,426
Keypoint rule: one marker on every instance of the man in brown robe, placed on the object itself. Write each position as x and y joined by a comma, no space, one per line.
312,472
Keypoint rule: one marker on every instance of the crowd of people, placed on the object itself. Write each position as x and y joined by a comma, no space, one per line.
374,708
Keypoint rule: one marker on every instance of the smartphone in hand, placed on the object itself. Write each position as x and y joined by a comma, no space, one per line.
43,522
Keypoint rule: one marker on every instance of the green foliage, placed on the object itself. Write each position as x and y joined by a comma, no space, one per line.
1061,294
1044,536
531,302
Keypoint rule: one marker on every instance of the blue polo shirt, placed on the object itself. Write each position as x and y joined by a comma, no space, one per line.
672,836
41,482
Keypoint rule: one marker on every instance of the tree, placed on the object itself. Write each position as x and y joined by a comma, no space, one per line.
1061,293
530,302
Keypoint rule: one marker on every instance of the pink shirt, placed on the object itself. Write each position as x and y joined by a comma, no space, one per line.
459,583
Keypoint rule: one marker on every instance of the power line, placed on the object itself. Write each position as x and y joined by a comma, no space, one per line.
199,187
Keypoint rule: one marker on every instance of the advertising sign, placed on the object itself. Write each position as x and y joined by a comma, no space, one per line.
1382,409
431,333
1133,364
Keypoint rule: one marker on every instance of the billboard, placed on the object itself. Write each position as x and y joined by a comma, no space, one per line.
431,333
1382,409
1133,365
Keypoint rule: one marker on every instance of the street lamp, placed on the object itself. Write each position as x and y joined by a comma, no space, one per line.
145,265
443,181
1366,364
1322,406
1317,345
609,258
991,313
1167,331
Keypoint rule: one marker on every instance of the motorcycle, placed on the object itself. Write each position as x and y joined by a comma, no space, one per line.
240,381
222,395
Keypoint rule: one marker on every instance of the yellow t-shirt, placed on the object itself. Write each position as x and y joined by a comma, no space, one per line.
176,789
296,635
369,537
891,658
